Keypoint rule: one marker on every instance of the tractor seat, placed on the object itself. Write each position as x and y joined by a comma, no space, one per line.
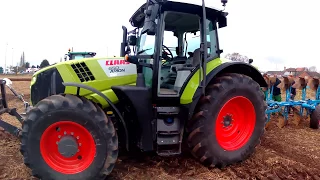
170,78
164,91
184,71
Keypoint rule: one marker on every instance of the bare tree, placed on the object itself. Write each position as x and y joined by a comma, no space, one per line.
44,63
312,69
237,57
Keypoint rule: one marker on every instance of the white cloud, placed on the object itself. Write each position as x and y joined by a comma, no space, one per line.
285,29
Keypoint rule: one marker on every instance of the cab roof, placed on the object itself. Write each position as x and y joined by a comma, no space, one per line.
137,18
90,53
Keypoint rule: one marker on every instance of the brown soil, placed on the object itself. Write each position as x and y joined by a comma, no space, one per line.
292,152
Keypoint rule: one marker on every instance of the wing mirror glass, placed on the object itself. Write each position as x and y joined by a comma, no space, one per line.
132,40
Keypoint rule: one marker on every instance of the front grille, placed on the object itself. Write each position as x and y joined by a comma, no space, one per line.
82,71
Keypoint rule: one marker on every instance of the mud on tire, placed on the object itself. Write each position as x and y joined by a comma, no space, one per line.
61,119
232,109
315,118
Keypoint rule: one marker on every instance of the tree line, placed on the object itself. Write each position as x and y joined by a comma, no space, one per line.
24,65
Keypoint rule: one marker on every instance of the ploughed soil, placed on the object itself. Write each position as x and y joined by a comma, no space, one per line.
292,152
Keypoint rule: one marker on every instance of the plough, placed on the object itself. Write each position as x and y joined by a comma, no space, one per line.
4,108
303,107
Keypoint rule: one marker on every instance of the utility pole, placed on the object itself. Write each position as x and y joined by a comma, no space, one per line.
12,57
5,58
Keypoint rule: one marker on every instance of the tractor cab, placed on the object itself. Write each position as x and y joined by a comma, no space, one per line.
172,43
71,55
169,41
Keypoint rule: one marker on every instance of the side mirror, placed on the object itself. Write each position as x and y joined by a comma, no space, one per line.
124,41
250,61
8,82
132,40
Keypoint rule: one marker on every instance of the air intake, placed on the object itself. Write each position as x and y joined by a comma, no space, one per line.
82,71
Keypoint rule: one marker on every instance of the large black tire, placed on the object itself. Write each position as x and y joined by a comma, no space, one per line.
208,145
82,115
315,118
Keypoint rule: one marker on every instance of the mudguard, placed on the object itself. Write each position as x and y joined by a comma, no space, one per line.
139,98
192,92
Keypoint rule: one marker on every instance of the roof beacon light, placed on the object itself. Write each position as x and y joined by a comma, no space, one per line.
224,2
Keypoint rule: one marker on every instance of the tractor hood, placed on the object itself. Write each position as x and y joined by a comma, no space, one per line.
71,62
99,73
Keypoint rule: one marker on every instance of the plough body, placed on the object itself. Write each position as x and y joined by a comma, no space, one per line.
305,106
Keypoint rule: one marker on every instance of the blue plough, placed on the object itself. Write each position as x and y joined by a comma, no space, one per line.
304,105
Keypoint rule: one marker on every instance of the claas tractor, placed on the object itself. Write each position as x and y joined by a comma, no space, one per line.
71,55
151,99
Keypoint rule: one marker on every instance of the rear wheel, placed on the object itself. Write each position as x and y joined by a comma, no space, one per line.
66,137
228,122
315,118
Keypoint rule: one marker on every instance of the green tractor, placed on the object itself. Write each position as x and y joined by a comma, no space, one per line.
150,99
78,55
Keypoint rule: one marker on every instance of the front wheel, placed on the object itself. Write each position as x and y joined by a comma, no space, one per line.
228,122
66,137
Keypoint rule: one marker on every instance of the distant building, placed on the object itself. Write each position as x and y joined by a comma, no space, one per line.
32,70
296,72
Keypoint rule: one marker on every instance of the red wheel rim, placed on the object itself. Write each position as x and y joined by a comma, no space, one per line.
83,156
235,123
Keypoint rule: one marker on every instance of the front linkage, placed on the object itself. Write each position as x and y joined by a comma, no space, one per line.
12,111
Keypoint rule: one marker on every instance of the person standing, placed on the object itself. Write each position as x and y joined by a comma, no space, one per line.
276,94
292,96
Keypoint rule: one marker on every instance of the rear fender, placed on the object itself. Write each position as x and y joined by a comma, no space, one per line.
192,91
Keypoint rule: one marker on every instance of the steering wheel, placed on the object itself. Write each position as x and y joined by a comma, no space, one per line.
166,53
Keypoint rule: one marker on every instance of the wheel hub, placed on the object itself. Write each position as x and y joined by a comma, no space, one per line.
235,123
227,120
68,146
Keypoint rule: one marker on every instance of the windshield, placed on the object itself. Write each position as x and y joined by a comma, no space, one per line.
146,44
193,40
81,56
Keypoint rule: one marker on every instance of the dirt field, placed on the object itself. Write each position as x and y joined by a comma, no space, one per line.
292,152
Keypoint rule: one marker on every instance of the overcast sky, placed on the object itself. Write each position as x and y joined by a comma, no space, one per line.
274,33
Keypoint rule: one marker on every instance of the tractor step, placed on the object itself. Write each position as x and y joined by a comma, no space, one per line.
168,131
167,153
168,139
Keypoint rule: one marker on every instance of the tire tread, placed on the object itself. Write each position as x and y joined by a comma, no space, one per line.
69,101
197,139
